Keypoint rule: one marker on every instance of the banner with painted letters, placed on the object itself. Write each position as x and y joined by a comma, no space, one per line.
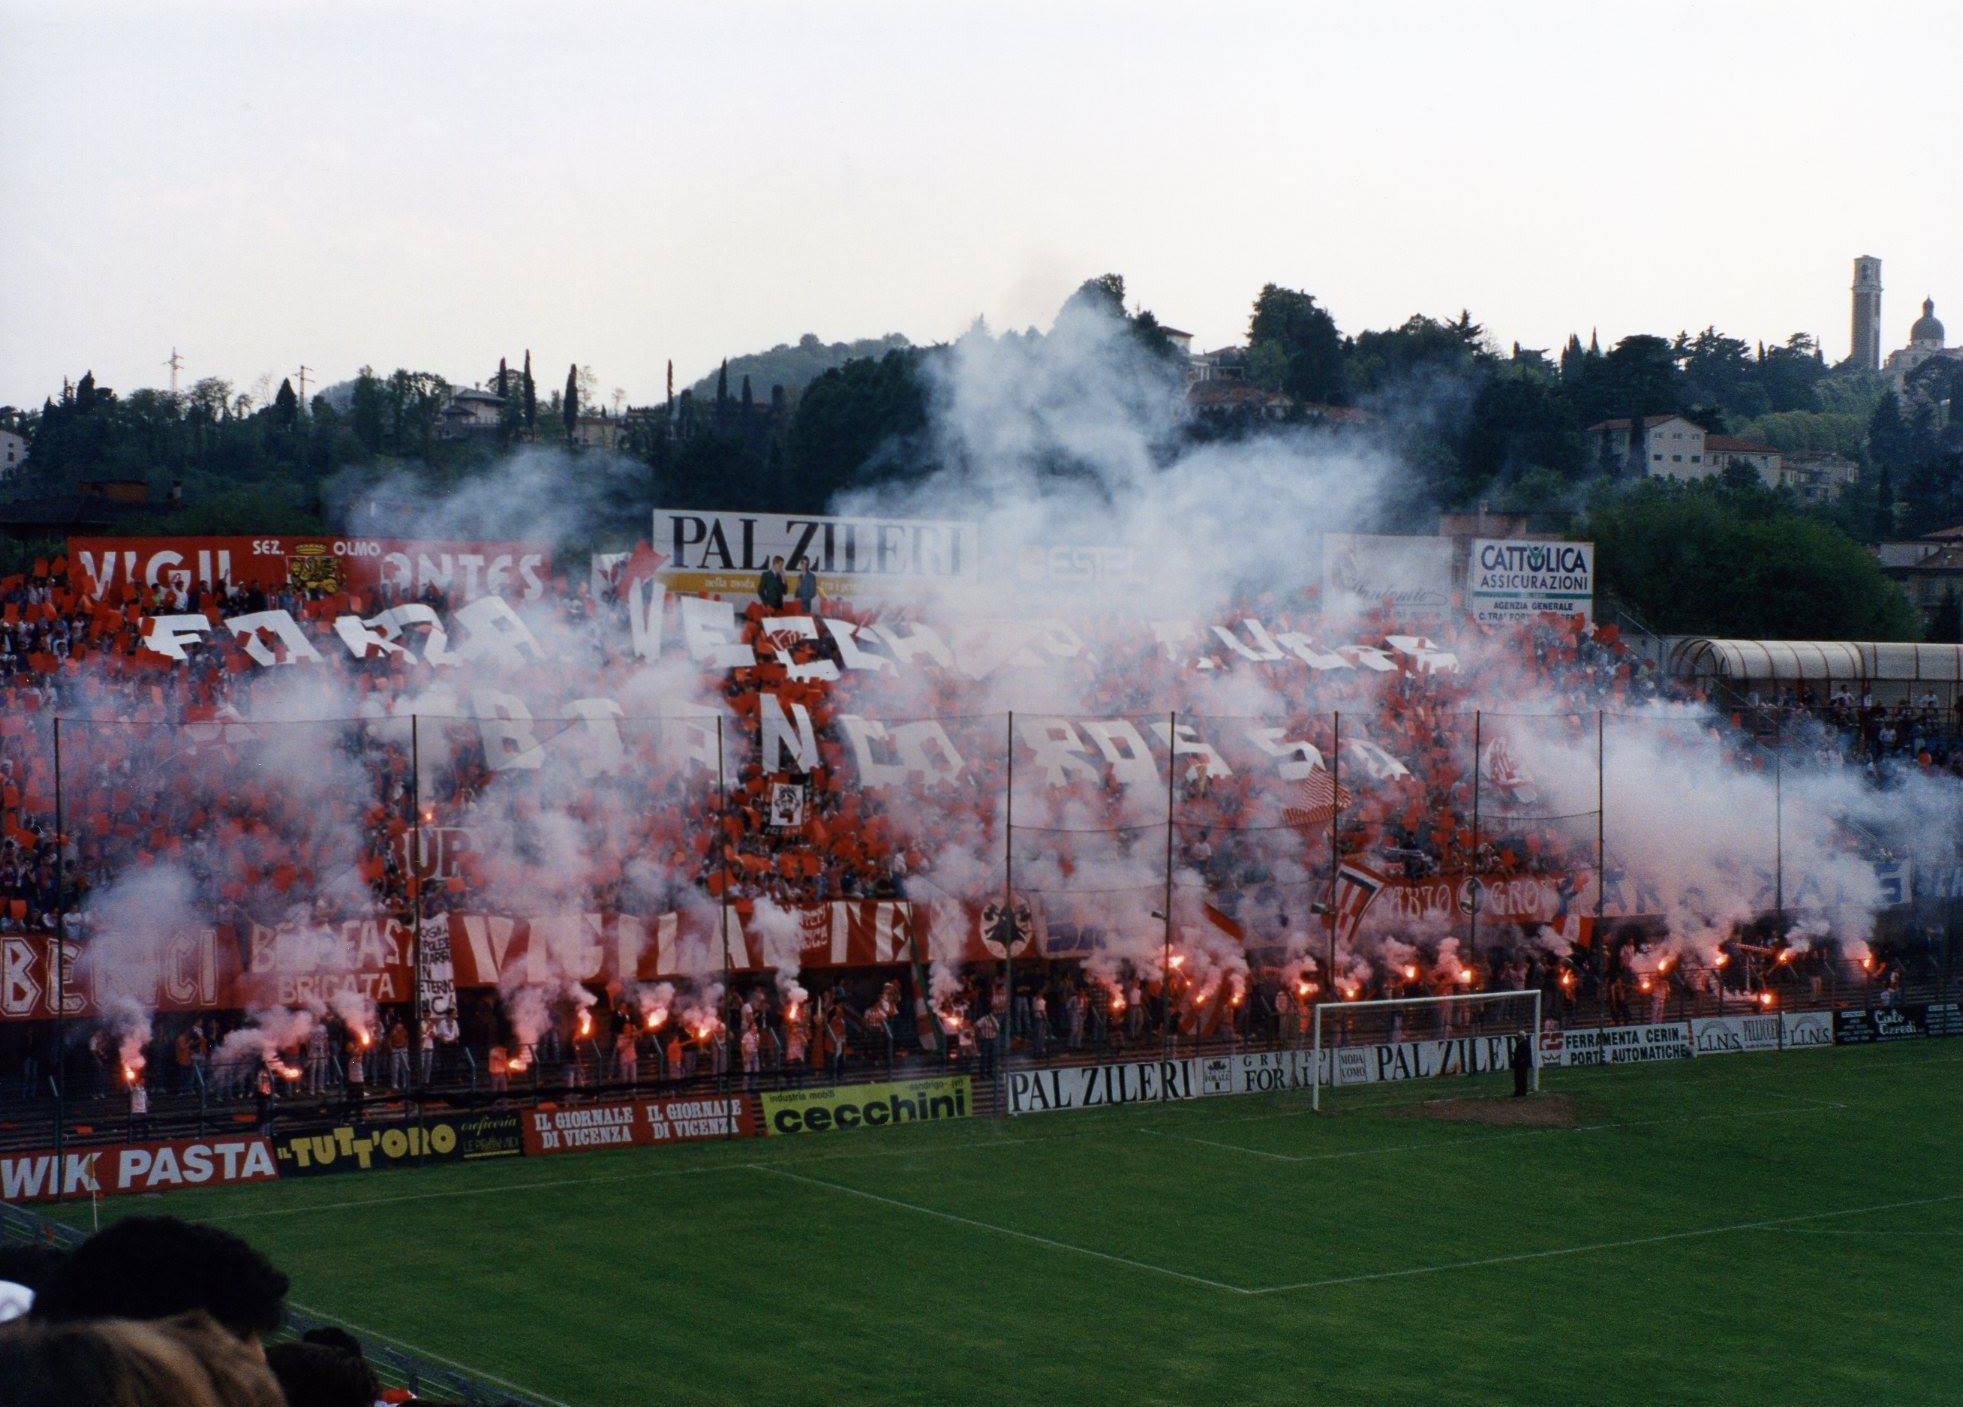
163,1166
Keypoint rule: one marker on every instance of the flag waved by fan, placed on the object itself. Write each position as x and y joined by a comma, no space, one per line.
1315,800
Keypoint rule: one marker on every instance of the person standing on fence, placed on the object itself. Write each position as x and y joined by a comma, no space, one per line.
835,1034
1521,1058
988,1033
139,1107
794,1045
1039,1023
426,1040
399,1055
752,1048
317,1059
357,1075
627,1054
500,1068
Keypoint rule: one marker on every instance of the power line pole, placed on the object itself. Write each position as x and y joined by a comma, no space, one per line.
302,374
176,364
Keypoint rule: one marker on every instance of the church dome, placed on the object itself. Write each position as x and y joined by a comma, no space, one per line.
1926,328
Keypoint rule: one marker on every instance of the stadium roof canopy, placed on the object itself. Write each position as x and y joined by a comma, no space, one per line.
1818,659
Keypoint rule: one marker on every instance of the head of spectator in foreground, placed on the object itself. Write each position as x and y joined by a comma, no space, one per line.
151,1267
187,1361
24,1269
316,1375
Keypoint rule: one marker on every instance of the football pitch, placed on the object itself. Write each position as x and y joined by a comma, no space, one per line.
1777,1229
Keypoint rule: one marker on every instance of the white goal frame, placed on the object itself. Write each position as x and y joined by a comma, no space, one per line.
1315,1068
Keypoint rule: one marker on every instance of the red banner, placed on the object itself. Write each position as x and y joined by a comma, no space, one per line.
638,1123
136,1167
517,571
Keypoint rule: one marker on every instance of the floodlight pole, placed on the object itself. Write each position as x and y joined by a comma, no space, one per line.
60,970
1472,860
1335,837
1007,1034
1165,964
416,895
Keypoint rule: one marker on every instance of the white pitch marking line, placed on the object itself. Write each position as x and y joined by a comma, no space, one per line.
1772,1223
1003,1230
846,1156
1448,1143
434,1357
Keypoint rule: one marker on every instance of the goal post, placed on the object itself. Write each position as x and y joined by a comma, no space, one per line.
1462,1033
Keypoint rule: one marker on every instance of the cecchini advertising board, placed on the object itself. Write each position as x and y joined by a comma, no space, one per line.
136,1167
866,1106
723,554
1509,579
517,571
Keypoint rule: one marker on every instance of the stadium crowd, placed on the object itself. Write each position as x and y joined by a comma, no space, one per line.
158,764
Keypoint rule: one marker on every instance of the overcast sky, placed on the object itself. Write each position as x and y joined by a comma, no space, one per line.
436,185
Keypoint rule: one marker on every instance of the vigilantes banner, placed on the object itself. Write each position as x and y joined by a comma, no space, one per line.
866,1106
517,571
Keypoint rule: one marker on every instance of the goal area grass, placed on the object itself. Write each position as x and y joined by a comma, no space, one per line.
1780,1229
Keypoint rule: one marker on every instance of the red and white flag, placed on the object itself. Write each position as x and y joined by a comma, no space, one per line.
1314,800
1356,886
1503,772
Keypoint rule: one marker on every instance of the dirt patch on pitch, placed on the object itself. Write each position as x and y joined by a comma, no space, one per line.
1550,1111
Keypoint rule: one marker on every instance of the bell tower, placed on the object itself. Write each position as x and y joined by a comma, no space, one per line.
1865,351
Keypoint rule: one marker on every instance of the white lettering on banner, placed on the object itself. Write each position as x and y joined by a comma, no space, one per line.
493,630
709,631
168,635
282,626
1616,1045
886,753
136,1167
506,726
789,742
599,749
851,647
779,630
1096,1086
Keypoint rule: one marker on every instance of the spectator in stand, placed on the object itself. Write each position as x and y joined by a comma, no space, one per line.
319,1375
627,1054
153,1267
356,1058
988,1033
770,586
186,1361
24,1269
139,1107
398,1039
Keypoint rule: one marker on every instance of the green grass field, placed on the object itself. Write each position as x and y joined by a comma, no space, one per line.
1777,1229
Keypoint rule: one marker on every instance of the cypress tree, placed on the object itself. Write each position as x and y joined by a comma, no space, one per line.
572,399
531,394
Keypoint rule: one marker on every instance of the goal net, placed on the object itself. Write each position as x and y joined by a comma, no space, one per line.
1425,1038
